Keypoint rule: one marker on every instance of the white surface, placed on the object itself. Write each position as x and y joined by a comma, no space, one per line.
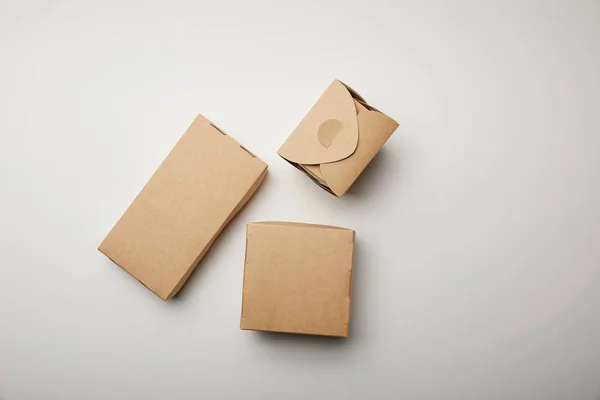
478,225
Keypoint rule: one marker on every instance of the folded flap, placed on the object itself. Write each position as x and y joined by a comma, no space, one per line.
328,133
375,128
298,224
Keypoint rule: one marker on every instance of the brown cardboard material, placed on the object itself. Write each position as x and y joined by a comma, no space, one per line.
297,278
337,139
204,181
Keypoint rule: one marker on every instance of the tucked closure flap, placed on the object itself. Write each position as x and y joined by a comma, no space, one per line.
328,133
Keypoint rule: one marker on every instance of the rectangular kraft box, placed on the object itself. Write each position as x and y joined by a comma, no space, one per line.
204,181
297,278
337,139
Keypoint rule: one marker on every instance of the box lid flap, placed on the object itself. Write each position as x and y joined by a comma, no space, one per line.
328,133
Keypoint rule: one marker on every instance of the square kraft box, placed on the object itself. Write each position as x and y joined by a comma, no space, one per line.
337,139
297,278
204,181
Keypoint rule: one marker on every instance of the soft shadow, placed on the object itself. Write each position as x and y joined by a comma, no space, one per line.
380,170
237,222
143,289
294,340
302,349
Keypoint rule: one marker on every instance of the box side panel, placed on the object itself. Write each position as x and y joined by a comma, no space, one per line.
231,216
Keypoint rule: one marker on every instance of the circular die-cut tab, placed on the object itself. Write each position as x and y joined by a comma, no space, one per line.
328,131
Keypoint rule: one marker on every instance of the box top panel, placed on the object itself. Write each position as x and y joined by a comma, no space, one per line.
183,207
297,278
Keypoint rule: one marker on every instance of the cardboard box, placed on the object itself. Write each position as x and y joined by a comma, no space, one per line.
171,224
297,278
337,139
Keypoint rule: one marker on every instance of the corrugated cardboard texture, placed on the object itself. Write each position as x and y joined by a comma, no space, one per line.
337,139
297,278
171,224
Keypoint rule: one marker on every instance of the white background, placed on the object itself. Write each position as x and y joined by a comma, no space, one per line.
477,270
